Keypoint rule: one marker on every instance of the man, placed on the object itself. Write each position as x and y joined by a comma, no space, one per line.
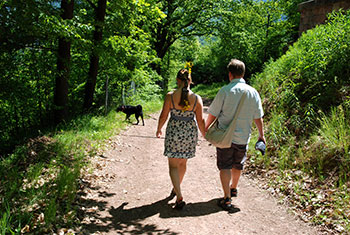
230,161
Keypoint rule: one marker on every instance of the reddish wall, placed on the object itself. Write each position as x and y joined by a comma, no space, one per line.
315,12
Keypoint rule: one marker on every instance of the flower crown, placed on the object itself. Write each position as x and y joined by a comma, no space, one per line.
189,65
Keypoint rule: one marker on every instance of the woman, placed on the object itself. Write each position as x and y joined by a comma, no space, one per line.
181,132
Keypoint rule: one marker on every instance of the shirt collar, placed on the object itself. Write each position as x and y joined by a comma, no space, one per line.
238,80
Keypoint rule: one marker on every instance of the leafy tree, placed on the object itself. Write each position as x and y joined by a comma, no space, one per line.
19,23
126,52
63,67
291,13
210,64
181,19
27,67
94,60
253,31
141,40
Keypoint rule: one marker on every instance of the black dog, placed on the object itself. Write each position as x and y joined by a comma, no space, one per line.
129,110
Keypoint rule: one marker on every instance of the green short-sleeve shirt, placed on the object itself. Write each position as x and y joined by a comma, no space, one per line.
226,102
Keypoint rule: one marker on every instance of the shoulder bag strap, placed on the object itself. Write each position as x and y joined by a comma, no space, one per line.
238,109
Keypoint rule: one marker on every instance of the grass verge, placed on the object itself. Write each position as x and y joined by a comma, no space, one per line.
40,180
310,174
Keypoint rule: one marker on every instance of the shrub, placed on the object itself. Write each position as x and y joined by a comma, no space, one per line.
312,76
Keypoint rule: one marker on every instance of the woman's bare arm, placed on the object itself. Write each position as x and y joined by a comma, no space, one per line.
199,115
164,114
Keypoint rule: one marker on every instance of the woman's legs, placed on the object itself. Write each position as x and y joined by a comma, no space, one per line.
182,168
177,170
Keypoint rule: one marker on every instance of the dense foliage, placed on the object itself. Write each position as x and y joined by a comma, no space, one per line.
59,58
306,99
62,58
252,31
312,76
31,35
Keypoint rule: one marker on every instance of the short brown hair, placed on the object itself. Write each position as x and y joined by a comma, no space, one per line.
236,67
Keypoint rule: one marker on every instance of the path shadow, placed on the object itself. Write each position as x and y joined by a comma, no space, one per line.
126,219
198,209
123,221
130,221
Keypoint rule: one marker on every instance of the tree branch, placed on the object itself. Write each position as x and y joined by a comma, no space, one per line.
91,4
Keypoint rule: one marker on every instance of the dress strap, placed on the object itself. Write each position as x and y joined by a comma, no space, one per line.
195,102
172,100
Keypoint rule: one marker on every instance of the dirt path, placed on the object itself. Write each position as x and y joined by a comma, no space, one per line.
127,194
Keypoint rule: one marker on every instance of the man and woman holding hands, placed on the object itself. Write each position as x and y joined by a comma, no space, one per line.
186,117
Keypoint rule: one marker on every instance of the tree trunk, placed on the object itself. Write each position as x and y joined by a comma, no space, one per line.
164,39
63,67
94,59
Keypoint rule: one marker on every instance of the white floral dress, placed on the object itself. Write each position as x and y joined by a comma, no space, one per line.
181,133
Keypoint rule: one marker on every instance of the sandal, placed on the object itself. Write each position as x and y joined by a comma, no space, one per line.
234,192
172,194
225,203
179,204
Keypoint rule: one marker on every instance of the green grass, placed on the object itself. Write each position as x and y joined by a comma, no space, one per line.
208,91
311,173
39,181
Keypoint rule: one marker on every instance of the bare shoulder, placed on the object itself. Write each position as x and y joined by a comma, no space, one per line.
199,97
194,96
169,94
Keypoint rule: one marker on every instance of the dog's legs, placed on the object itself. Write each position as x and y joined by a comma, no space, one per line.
137,119
127,117
143,123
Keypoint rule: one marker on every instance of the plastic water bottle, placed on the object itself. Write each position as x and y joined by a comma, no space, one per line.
260,145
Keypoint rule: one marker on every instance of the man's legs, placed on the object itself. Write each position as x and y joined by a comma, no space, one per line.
225,177
235,175
224,163
230,163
